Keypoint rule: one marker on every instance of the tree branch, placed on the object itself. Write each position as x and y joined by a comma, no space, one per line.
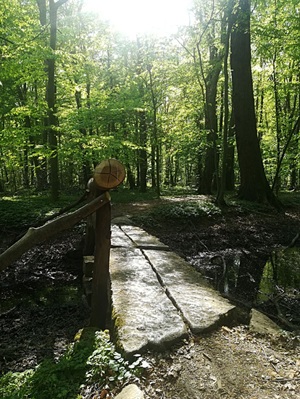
60,3
7,40
295,130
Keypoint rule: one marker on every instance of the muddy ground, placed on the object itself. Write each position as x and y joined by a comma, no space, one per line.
42,309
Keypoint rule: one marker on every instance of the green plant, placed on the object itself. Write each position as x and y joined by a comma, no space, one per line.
108,365
290,198
18,211
124,195
91,358
185,210
16,385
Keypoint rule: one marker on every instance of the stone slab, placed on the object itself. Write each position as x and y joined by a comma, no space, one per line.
262,324
132,391
142,239
143,315
122,220
202,307
119,238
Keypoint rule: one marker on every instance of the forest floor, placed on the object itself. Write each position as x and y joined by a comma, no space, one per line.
41,316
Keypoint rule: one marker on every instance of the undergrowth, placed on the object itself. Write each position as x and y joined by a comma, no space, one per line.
29,209
290,198
125,195
178,212
24,210
90,361
191,210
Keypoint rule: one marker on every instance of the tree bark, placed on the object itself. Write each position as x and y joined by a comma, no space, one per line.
293,132
211,125
143,152
86,170
37,235
51,101
230,156
155,141
253,183
222,186
43,11
130,177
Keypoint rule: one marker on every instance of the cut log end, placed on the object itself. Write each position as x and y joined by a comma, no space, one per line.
109,174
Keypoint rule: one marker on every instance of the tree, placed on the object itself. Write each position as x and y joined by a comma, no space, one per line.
253,182
226,126
160,106
51,100
276,34
208,42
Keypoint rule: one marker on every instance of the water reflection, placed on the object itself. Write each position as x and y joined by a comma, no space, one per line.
234,273
281,274
271,283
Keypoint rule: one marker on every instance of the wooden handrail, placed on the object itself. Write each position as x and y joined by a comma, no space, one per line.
36,235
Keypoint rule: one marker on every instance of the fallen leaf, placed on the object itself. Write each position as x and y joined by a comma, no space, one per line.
104,394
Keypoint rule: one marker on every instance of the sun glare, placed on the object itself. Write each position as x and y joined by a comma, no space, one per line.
137,17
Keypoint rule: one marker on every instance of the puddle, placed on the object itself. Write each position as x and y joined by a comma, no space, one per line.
281,274
271,284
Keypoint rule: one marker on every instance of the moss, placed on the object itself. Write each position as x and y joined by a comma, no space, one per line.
117,323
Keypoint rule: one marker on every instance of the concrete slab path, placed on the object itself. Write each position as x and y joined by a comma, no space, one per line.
157,297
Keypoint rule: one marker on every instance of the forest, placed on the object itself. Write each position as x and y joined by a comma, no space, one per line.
214,107
206,123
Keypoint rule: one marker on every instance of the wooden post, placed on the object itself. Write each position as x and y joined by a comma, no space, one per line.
89,241
108,174
101,267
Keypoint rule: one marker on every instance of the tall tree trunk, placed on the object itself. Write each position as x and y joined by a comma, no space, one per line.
40,163
211,82
210,79
222,186
155,148
253,185
86,170
143,151
294,131
230,156
130,177
278,117
51,100
26,178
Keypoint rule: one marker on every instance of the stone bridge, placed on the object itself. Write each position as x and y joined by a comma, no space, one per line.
157,297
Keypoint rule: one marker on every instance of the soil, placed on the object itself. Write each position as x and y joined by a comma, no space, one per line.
42,309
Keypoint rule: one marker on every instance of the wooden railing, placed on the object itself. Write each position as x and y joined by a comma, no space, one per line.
107,175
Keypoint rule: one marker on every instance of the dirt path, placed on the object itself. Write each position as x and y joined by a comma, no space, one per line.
230,363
